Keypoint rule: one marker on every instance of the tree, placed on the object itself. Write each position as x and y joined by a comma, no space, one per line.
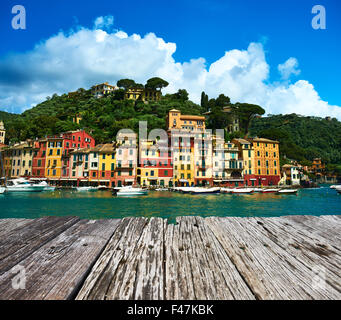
182,95
222,101
204,101
246,113
126,83
156,83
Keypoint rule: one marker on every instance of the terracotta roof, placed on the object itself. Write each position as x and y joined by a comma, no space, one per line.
182,117
242,141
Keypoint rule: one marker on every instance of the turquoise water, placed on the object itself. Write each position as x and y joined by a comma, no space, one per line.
101,204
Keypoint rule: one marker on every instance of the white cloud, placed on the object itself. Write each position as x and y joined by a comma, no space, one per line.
66,62
288,68
105,22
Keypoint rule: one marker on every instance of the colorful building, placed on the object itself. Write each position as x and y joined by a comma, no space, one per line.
155,166
227,164
39,158
107,165
126,159
190,123
265,163
58,152
21,156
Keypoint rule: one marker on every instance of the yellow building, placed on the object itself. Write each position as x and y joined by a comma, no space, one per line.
54,152
176,120
77,118
21,159
143,94
2,133
266,161
107,165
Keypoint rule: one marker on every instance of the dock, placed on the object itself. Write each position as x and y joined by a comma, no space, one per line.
214,258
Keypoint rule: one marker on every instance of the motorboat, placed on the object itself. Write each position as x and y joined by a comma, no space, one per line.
200,190
47,187
335,186
242,190
23,185
86,188
270,190
2,190
131,191
258,189
287,191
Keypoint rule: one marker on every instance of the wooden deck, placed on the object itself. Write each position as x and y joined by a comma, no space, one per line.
294,257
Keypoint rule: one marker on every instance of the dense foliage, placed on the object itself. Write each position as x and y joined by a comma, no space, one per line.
301,138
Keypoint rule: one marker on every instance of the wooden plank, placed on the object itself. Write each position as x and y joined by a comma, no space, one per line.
8,224
311,250
197,267
271,272
57,269
107,278
19,242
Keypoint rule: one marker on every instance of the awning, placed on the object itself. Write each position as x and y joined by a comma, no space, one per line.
38,178
66,179
253,179
100,180
183,180
129,180
263,178
151,178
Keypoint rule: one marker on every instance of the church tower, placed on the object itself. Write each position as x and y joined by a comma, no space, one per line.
2,133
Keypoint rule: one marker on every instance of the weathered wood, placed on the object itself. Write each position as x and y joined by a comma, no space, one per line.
23,238
140,258
197,267
58,267
108,279
313,251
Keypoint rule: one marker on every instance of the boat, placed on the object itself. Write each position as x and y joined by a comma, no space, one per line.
161,189
257,189
200,190
87,188
226,190
287,191
270,190
130,191
23,185
335,186
46,186
2,190
242,190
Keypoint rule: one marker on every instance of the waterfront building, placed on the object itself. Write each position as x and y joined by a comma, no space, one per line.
291,175
265,162
21,159
107,165
227,164
99,90
39,158
155,164
189,123
79,167
58,152
126,158
246,153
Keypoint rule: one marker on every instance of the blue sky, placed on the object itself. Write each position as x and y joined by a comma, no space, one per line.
200,29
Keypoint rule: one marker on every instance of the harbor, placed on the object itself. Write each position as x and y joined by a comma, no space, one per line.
67,258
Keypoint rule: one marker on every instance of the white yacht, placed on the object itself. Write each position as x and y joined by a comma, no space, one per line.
86,188
2,189
23,185
131,191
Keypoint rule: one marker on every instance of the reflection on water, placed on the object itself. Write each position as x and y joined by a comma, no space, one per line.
102,204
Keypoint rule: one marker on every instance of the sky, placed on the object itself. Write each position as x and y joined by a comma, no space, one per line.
263,52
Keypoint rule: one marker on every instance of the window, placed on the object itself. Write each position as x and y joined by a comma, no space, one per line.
112,167
188,176
58,152
54,172
73,173
94,174
113,156
166,172
103,156
103,166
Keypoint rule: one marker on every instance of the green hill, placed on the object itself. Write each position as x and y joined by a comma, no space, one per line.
302,138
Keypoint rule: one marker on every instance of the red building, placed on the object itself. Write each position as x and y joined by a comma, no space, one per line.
39,158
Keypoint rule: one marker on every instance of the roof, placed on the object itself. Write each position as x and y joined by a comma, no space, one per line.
264,140
174,110
192,117
242,141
